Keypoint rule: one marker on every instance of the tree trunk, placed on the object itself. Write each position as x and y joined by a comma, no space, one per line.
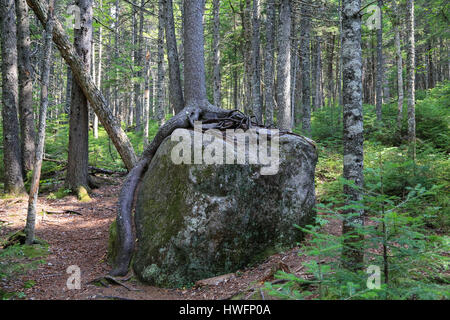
160,106
283,67
216,54
352,254
330,70
26,118
11,142
380,68
246,53
137,62
411,79
68,90
175,92
78,155
256,64
146,112
39,152
96,99
305,54
269,54
194,60
399,60
99,71
318,76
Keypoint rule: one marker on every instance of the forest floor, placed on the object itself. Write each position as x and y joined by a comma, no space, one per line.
82,239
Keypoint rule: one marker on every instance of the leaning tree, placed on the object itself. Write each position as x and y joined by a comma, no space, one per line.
196,108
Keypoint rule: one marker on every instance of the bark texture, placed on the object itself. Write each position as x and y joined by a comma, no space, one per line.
26,117
78,155
39,151
269,53
353,128
411,79
256,64
305,57
11,142
283,67
216,54
175,91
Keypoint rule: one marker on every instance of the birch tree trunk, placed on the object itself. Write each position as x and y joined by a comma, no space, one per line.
411,79
26,117
99,71
216,54
283,67
39,151
11,143
352,254
399,60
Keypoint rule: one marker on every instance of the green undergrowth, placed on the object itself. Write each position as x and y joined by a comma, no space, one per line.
17,260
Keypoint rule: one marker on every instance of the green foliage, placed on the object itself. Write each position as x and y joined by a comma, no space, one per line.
416,260
16,260
406,204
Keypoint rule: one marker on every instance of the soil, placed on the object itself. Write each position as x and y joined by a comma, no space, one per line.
80,237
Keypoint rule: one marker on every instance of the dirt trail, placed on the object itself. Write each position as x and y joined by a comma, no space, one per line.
82,240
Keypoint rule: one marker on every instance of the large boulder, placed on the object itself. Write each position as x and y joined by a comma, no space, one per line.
195,221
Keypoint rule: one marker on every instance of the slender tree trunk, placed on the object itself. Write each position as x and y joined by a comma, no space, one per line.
116,58
283,67
11,143
339,79
380,68
216,54
68,91
352,254
256,64
246,53
137,62
269,54
160,106
175,92
39,151
330,69
26,117
318,75
78,155
146,96
99,71
399,60
411,79
306,67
